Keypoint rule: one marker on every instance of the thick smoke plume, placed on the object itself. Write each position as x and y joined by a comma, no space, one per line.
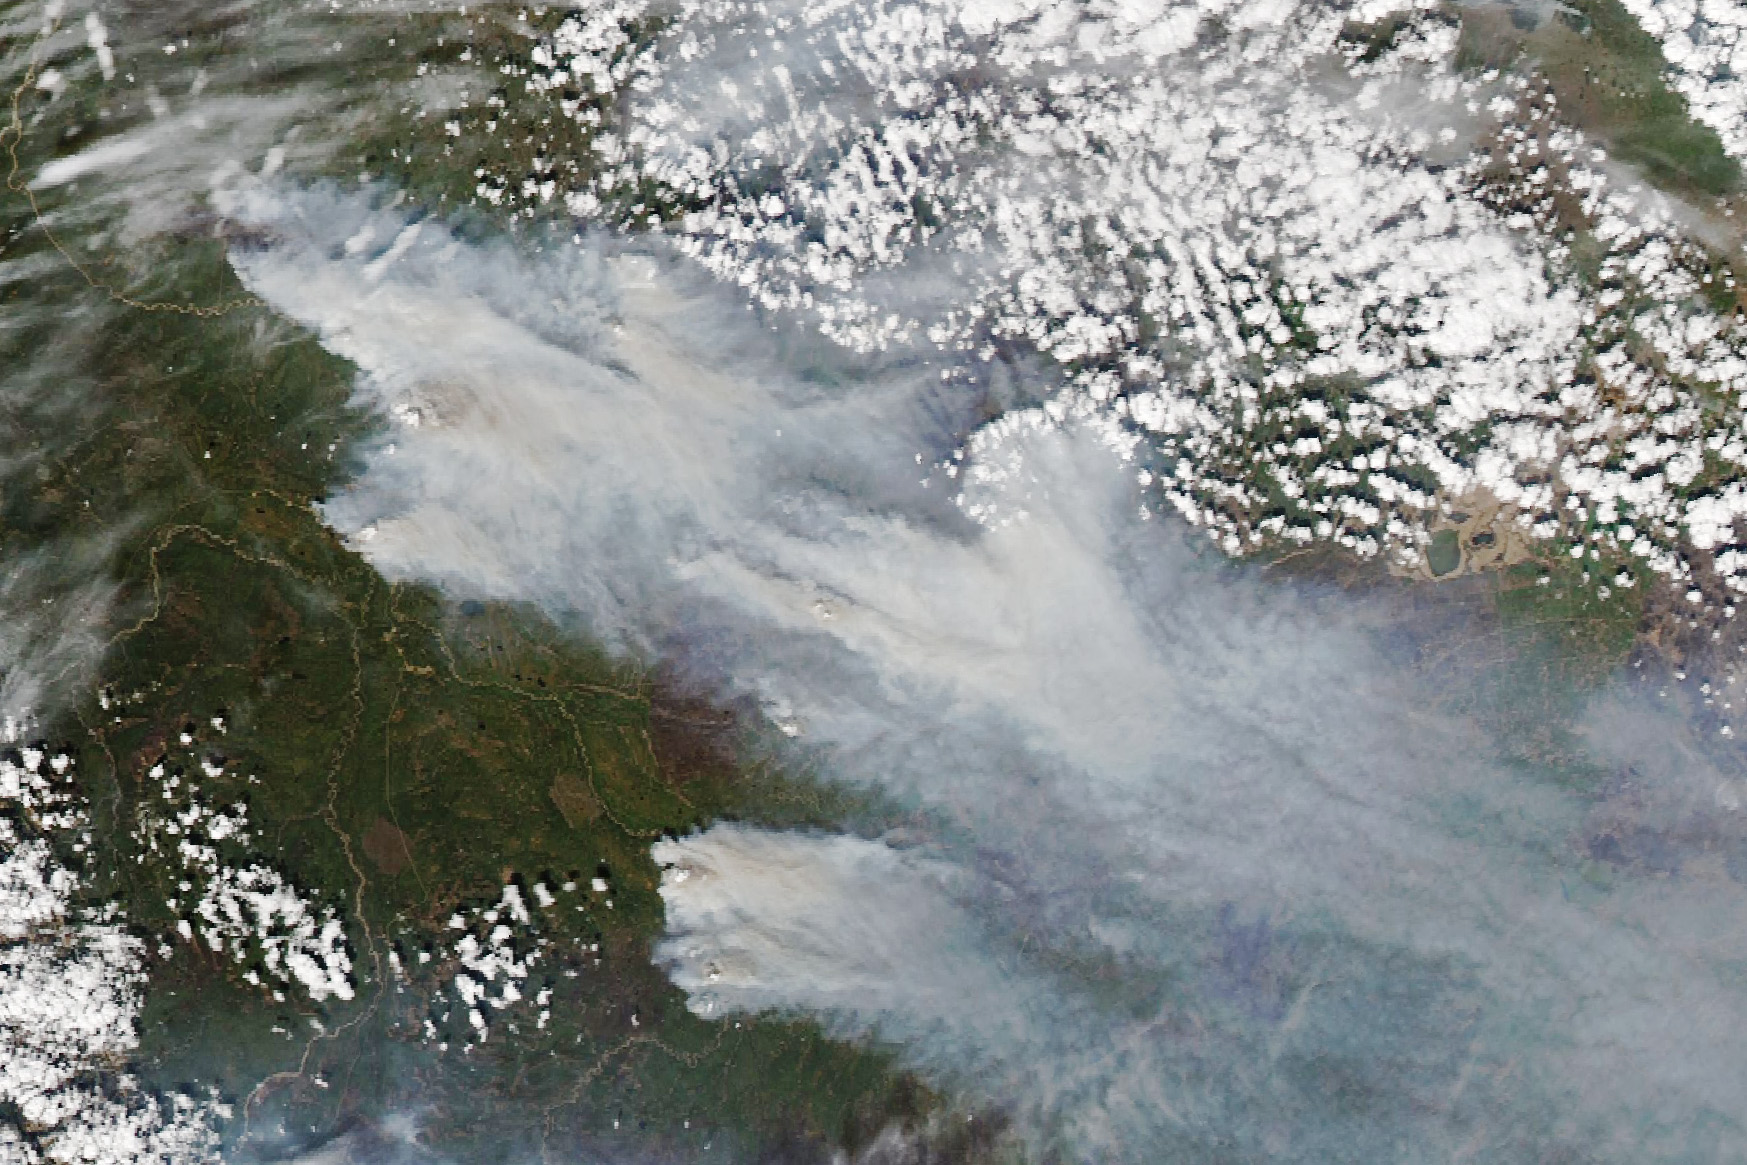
1214,874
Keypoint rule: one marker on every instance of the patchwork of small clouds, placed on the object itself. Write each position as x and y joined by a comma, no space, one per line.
1705,58
1256,236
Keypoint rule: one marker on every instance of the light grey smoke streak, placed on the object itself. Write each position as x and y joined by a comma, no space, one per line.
55,590
1216,877
118,149
903,949
506,388
57,603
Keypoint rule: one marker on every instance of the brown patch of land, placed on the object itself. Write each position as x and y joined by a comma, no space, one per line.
386,846
1487,538
692,739
575,800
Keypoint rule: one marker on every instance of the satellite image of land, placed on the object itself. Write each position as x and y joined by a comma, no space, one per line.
865,582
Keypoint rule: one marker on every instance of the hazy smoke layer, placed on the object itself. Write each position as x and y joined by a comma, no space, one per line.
151,133
1217,879
112,134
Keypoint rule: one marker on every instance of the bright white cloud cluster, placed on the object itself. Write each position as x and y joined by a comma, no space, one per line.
483,962
1239,231
226,897
70,982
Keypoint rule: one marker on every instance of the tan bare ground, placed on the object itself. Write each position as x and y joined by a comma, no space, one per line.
386,846
1487,538
575,800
